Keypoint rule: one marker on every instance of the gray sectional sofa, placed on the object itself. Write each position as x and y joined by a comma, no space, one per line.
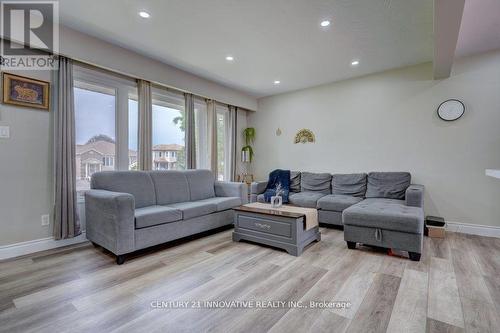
130,210
380,208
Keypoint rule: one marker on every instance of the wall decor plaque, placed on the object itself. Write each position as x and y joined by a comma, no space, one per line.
24,91
304,136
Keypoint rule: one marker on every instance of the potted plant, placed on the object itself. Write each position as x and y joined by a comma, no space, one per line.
247,150
247,153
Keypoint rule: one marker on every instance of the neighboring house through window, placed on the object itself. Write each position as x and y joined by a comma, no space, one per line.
102,104
169,130
108,161
165,156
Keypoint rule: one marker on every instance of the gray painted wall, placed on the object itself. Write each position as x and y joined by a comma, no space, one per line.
26,188
388,122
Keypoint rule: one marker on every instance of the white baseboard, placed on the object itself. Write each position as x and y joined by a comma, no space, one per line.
37,245
473,229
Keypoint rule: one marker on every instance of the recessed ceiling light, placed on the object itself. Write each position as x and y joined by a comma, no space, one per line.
325,23
277,81
354,62
144,14
229,58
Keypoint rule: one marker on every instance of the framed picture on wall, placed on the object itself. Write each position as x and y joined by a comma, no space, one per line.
24,91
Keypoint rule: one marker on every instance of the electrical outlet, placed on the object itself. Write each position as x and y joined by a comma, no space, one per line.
45,220
4,132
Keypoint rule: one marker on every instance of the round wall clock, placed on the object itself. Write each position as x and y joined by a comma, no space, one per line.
451,109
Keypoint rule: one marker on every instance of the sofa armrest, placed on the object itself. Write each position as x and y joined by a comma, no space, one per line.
110,220
232,189
414,196
258,187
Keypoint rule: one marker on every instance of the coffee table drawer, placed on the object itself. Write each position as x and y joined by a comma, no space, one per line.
265,225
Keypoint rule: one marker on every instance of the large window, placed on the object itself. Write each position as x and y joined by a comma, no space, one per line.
107,131
104,109
169,129
223,142
95,132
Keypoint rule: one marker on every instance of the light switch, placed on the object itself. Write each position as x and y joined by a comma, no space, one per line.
4,132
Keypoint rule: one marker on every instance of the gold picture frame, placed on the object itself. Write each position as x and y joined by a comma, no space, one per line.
25,91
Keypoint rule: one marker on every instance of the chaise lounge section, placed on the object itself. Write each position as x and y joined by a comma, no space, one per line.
131,210
391,216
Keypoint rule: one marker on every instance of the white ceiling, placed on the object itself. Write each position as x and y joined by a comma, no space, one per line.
269,39
480,27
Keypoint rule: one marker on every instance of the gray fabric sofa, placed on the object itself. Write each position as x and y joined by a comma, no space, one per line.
380,208
130,210
330,194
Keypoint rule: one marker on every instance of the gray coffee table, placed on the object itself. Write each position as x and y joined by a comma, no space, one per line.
285,230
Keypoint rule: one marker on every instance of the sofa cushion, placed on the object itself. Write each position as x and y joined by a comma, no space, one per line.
224,203
171,186
194,208
386,214
315,182
137,183
390,185
201,184
349,184
305,199
154,215
294,181
337,202
261,198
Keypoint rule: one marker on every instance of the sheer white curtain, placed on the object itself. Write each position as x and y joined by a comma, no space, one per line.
201,133
223,142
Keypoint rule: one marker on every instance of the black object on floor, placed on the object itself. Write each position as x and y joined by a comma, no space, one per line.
120,259
351,245
433,221
414,256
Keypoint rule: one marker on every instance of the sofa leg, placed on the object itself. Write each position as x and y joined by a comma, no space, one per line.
351,245
120,259
414,256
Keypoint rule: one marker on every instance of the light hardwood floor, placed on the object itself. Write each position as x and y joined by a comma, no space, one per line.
454,288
